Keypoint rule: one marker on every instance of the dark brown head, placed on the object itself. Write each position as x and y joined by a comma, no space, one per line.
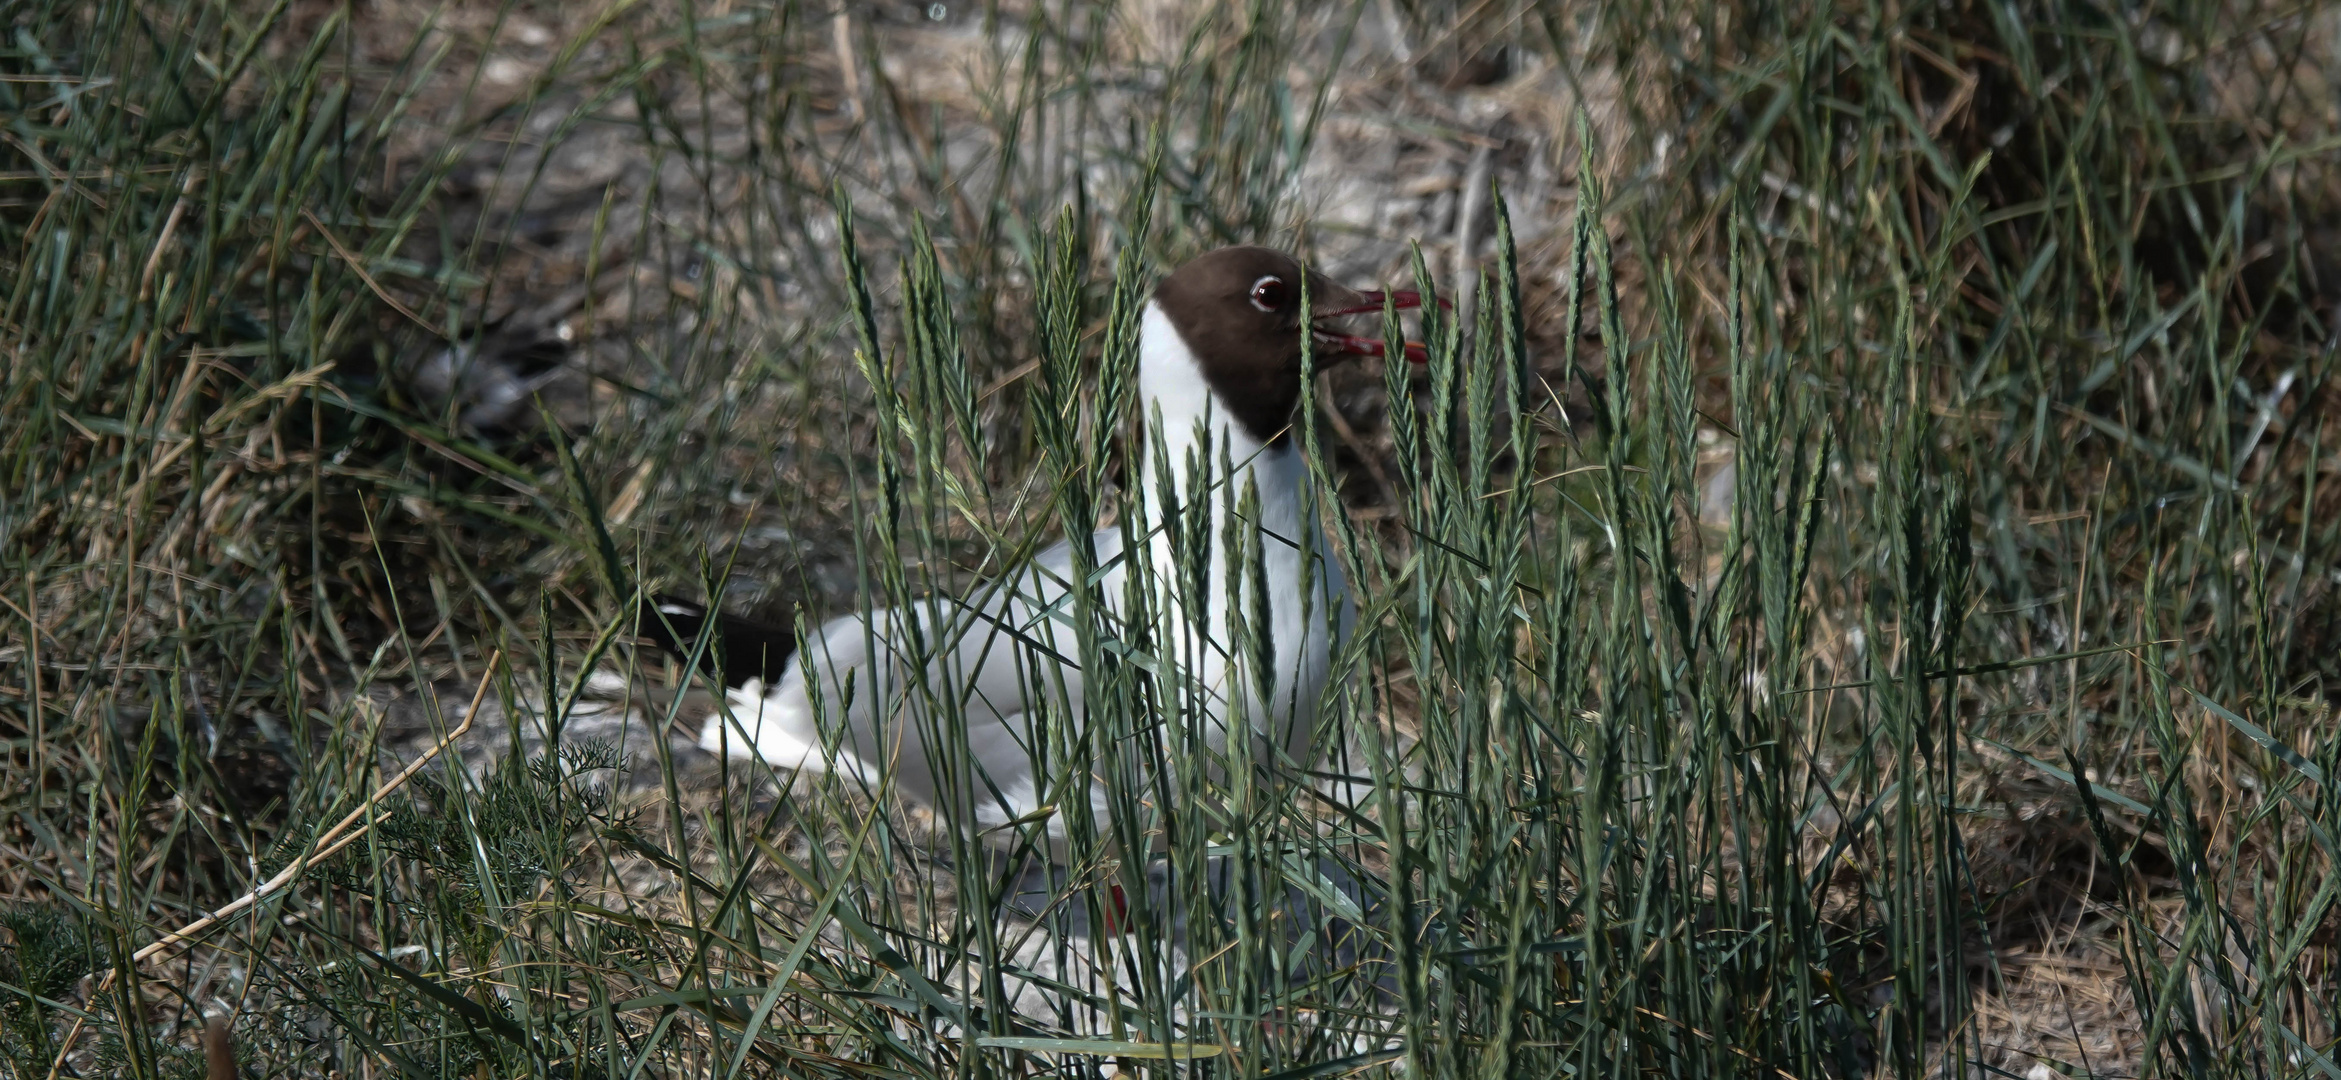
1239,311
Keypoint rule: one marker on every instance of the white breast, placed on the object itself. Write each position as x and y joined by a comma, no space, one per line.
1207,634
1212,462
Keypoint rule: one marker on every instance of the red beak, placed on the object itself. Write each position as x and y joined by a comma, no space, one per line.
1371,302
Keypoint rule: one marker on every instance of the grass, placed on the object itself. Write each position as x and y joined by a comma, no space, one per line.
1854,592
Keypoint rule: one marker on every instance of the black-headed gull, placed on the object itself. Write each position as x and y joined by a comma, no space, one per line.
1219,376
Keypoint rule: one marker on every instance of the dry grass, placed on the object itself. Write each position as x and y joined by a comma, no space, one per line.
2068,290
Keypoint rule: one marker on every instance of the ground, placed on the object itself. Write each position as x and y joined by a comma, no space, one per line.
2051,305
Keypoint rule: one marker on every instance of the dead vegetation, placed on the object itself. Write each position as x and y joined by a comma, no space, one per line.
339,337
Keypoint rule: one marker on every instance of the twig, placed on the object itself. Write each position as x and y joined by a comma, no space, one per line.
329,843
331,840
841,32
154,259
219,1050
359,266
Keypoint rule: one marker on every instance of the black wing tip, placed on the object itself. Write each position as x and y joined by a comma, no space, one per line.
738,649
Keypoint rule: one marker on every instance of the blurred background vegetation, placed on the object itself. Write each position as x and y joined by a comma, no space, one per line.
1860,593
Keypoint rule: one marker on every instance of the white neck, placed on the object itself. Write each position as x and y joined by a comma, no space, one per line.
1179,404
1171,384
1185,419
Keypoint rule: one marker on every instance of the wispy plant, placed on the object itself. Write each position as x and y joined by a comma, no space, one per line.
1874,532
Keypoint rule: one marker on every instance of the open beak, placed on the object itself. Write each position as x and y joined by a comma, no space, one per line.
1336,302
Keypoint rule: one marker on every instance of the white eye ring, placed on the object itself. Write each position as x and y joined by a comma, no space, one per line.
1268,293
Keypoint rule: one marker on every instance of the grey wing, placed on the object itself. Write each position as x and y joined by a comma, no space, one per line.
1017,637
997,660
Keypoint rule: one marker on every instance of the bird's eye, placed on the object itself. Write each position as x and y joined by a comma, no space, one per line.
1270,293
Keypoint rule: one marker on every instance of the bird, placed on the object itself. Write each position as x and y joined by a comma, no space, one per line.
1219,378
